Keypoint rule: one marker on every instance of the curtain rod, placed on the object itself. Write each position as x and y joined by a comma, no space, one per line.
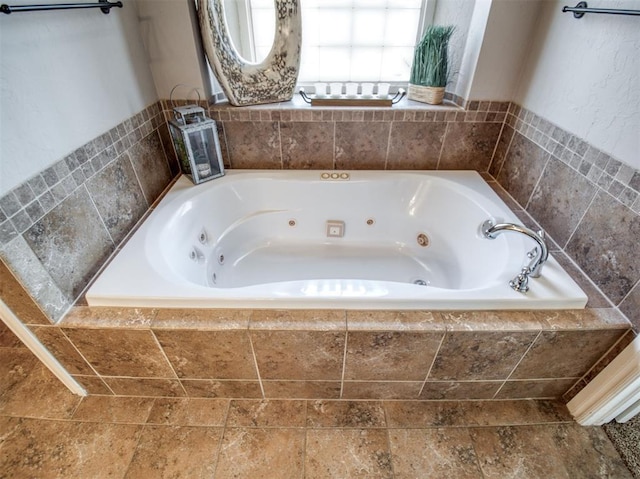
581,8
104,5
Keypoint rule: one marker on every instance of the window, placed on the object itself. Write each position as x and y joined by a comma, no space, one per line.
342,40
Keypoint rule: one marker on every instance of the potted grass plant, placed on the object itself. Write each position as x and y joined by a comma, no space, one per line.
430,69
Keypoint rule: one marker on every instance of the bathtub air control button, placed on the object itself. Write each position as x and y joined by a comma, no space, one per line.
335,229
423,239
325,176
335,176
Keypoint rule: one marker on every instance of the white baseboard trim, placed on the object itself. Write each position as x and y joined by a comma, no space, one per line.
36,347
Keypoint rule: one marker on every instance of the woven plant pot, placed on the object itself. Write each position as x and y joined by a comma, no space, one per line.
433,95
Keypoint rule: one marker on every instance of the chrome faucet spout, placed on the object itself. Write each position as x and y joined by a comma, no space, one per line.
538,255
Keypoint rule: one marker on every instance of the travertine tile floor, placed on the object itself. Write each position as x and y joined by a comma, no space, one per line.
47,432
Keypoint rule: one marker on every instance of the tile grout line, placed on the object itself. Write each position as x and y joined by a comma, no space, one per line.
344,356
133,454
444,142
164,354
255,363
386,155
495,147
222,435
98,375
506,153
517,364
538,180
584,214
304,442
433,361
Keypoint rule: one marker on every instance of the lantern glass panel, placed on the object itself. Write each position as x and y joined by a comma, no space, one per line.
204,153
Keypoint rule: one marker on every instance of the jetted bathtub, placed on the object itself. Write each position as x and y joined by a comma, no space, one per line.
330,239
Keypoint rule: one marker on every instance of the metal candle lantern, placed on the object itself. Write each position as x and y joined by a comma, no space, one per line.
195,138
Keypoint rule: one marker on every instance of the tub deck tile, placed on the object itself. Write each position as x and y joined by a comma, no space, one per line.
584,319
108,317
492,321
377,320
202,319
298,320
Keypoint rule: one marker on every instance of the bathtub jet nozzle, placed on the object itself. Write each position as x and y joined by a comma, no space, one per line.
537,256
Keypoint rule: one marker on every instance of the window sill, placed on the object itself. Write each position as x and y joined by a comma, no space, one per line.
297,103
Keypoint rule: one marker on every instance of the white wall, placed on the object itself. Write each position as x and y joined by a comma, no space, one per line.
171,37
476,33
584,75
65,78
458,13
507,38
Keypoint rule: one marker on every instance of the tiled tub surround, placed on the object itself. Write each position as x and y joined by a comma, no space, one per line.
332,354
59,227
587,202
158,376
408,136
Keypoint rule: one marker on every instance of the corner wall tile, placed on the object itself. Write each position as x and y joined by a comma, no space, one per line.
501,150
17,298
469,146
565,354
36,279
71,243
560,200
253,144
610,260
522,167
631,307
117,195
150,165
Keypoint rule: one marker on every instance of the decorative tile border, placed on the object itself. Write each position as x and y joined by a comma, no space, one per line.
493,112
610,175
26,204
58,227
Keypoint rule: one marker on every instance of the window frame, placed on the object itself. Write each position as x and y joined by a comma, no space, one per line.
244,35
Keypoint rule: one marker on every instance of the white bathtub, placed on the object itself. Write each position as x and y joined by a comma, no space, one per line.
260,239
